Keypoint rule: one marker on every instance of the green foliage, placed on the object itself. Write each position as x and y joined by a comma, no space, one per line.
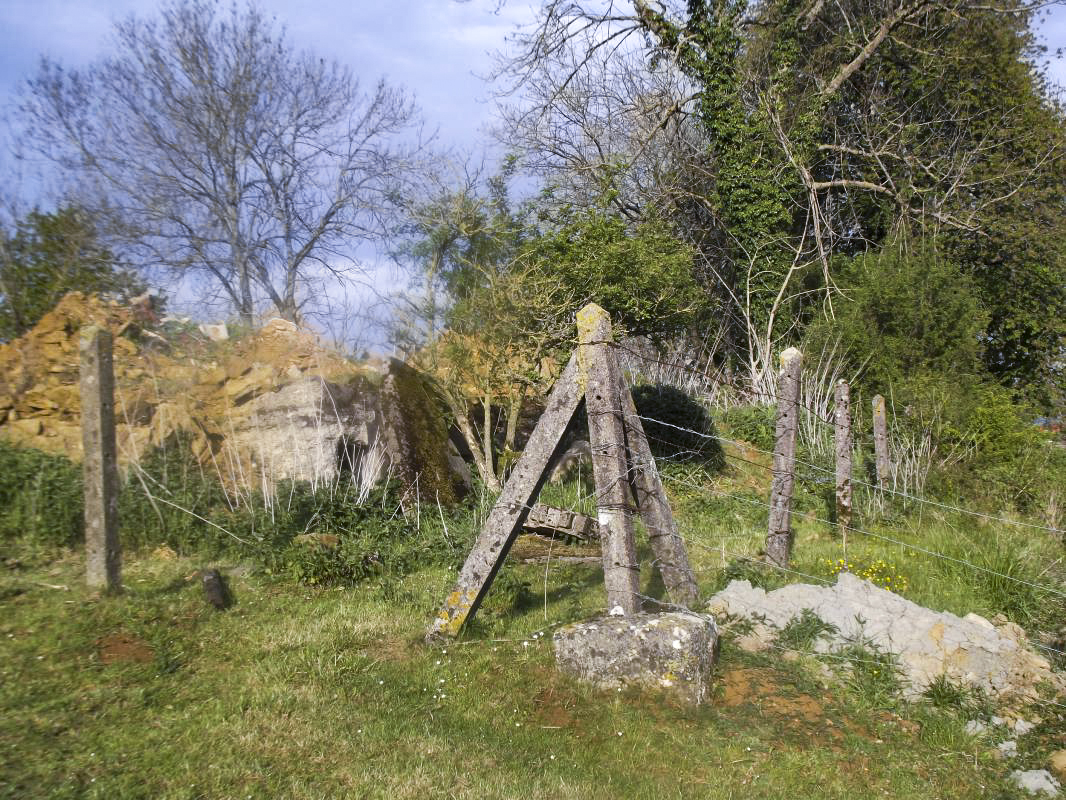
753,424
678,427
965,701
803,631
982,442
164,498
1003,578
873,676
754,572
46,256
41,499
641,276
345,542
908,312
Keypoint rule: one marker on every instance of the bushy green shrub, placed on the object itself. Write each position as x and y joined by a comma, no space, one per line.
678,427
41,498
907,310
752,424
982,443
165,499
330,539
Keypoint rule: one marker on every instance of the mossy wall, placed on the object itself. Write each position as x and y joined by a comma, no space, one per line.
424,435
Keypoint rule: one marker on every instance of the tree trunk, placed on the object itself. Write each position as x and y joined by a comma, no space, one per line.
462,420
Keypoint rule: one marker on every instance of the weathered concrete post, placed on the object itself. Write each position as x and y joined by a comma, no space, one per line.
103,556
602,380
881,459
663,536
779,534
842,420
504,522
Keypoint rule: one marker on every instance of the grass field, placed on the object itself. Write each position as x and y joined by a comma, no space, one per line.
330,692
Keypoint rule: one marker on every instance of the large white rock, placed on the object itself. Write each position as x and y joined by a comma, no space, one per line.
1036,781
967,650
305,430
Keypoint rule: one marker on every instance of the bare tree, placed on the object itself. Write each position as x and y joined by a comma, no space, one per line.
221,155
773,134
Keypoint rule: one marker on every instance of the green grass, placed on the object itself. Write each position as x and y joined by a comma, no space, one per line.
328,691
309,693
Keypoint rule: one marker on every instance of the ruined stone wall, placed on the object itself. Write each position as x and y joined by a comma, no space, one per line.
270,406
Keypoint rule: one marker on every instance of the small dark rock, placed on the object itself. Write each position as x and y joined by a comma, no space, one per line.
215,589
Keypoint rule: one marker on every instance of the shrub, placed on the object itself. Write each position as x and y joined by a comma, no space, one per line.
678,427
41,498
752,424
343,542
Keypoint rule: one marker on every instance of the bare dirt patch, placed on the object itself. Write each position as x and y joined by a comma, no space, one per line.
119,648
553,707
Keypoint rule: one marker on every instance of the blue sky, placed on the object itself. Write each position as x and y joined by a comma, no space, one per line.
438,49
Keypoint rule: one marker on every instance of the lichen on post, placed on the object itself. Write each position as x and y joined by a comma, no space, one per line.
511,509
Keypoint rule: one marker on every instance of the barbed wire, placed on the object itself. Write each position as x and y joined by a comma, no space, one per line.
882,537
854,480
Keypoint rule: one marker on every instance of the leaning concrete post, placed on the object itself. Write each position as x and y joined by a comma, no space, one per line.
779,535
504,522
103,556
881,460
663,536
842,419
601,380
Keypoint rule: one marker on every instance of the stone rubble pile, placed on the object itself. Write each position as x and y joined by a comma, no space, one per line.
273,405
927,644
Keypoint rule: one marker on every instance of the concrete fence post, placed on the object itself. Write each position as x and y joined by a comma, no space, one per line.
602,380
103,556
881,459
779,534
842,428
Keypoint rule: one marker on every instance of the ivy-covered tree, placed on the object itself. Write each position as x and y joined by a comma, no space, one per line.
46,256
782,135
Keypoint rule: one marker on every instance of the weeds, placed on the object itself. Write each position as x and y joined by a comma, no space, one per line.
40,501
872,676
803,631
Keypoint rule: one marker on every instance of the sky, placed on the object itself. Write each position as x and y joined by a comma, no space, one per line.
438,49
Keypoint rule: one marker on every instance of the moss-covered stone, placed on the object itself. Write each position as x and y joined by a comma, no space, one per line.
420,432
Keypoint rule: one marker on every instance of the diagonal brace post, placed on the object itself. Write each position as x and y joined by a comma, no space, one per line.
504,522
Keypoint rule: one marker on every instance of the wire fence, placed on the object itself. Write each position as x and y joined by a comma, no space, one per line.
854,480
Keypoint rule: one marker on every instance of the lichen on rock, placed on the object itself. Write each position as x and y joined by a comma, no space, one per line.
675,652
